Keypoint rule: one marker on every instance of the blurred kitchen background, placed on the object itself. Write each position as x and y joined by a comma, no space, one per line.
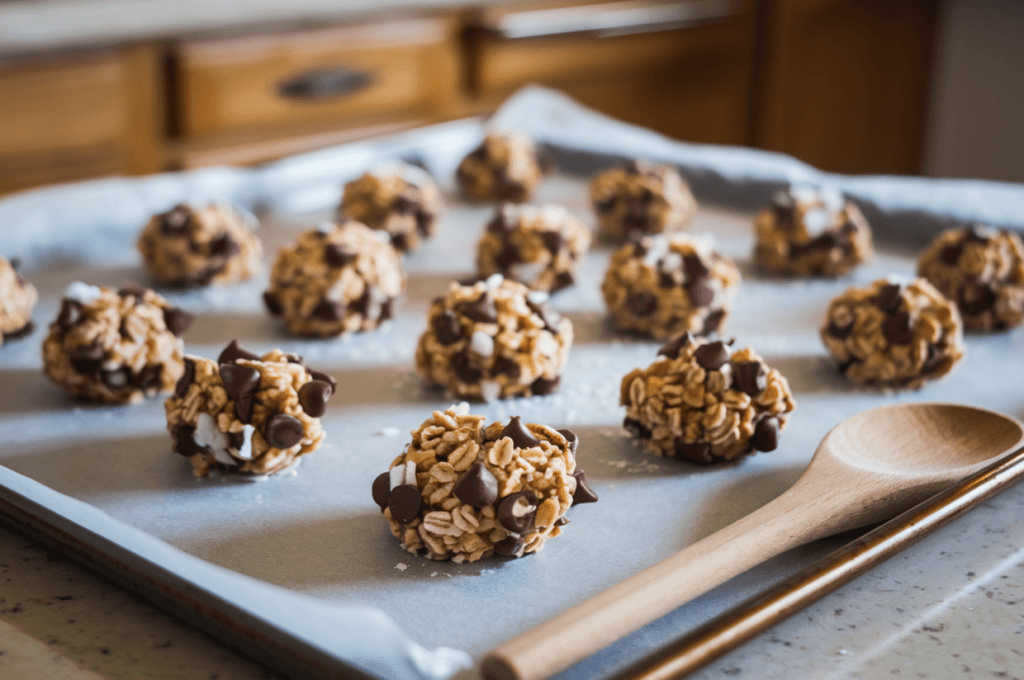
92,88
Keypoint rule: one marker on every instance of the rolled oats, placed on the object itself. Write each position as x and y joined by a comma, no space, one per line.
402,201
641,198
17,298
505,167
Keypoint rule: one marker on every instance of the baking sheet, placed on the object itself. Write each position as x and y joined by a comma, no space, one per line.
317,533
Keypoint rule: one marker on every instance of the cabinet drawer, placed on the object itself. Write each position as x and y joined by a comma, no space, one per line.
310,76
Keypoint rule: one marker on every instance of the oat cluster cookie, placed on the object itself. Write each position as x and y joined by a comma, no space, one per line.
982,271
462,491
702,403
539,246
641,198
494,339
17,298
893,333
665,285
115,346
188,246
403,201
336,279
811,233
247,414
505,167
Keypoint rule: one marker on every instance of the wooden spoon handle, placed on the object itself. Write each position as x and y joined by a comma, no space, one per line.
592,625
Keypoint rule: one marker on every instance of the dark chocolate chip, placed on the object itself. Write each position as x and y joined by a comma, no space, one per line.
639,249
697,452
183,442
950,255
122,330
465,371
400,242
645,197
283,431
542,386
553,241
888,297
175,219
694,267
328,310
750,376
233,352
701,294
675,346
313,397
982,300
239,379
118,378
549,316
562,281
642,303
506,257
583,492
387,309
87,359
224,246
561,521
336,255
371,304
70,313
766,434
934,359
149,376
713,321
712,356
423,222
326,377
405,205
273,303
517,512
447,328
636,428
382,489
506,366
405,502
635,219
20,333
667,279
482,309
510,546
824,242
520,435
243,407
177,320
571,438
477,487
132,289
898,329
839,332
186,379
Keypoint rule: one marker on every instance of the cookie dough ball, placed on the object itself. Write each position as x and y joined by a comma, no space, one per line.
982,271
703,403
505,167
494,339
462,491
893,333
640,198
538,246
666,285
188,246
247,414
334,280
115,346
811,233
17,298
403,201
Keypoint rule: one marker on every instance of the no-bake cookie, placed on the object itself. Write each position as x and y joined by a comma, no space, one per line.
494,339
893,333
115,346
811,233
539,246
189,246
982,271
641,198
402,201
505,167
17,298
703,403
665,285
247,414
462,491
335,279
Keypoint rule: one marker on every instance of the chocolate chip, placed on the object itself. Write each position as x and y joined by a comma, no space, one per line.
400,242
224,246
273,303
465,371
183,442
20,333
562,281
837,332
542,386
694,267
186,379
553,241
87,359
897,329
561,521
239,379
506,257
243,407
326,377
149,376
517,512
675,346
132,289
639,249
405,502
405,205
667,279
506,366
982,300
712,356
635,219
713,321
328,310
888,297
233,352
118,378
642,303
766,434
70,314
177,321
549,316
423,222
645,197
313,397
387,309
175,219
750,376
934,359
336,255
583,492
382,490
477,487
571,438
122,330
372,304
636,428
697,452
950,255
283,431
520,435
510,546
482,309
701,294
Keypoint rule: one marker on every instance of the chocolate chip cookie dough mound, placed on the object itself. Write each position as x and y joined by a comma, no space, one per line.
666,285
188,246
402,201
641,198
247,414
505,167
703,403
462,491
811,233
334,280
17,298
115,346
540,246
982,271
893,333
492,340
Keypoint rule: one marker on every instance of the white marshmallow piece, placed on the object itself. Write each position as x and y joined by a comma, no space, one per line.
82,293
481,344
245,453
208,436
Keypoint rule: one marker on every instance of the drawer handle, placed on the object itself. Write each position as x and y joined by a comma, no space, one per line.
320,84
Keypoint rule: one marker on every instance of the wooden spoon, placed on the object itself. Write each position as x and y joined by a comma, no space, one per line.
869,468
